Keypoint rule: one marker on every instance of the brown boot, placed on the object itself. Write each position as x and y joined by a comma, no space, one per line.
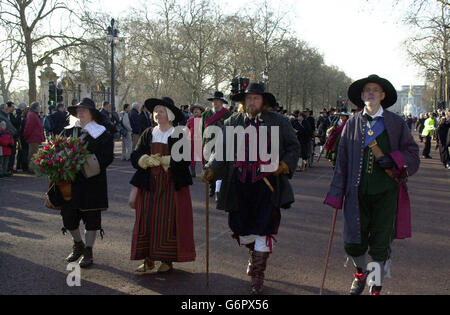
259,262
251,249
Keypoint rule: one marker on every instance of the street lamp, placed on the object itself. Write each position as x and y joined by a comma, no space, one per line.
113,38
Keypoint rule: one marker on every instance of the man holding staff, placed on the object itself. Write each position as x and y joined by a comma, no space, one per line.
376,155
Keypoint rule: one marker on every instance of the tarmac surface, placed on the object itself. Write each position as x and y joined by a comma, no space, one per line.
32,248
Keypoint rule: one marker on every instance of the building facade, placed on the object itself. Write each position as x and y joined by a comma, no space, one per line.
409,100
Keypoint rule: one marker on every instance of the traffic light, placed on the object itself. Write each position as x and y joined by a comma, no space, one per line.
243,84
235,86
341,105
51,93
59,97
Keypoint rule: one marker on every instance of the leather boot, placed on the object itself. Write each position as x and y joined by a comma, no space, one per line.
259,267
88,258
359,282
251,249
77,252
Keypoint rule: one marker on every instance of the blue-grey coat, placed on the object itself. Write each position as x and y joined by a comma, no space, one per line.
347,175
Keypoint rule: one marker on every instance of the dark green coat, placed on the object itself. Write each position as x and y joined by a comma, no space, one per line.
283,196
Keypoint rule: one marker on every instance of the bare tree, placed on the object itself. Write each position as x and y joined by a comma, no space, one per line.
11,59
29,22
429,47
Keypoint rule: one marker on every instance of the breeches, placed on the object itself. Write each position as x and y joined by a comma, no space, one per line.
72,217
378,215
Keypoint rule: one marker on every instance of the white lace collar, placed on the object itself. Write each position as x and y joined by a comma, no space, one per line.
95,130
161,137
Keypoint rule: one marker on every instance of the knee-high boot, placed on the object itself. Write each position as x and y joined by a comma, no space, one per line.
259,263
251,249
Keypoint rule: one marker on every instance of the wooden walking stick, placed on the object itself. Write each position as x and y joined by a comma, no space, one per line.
333,225
207,234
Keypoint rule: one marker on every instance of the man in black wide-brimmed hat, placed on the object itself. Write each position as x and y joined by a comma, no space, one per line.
252,195
375,156
214,116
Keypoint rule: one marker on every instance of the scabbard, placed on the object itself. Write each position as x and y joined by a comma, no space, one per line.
378,153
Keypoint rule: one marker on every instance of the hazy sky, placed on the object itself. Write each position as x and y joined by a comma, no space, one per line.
358,36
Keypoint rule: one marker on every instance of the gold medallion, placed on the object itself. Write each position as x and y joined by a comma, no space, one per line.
370,133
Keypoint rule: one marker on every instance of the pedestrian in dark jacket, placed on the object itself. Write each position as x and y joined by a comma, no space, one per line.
89,195
59,120
420,125
442,141
22,156
145,119
303,132
135,122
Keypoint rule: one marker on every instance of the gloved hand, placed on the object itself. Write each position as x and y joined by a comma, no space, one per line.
386,162
207,175
147,161
165,162
283,169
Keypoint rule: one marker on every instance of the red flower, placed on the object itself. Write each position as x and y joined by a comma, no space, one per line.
71,145
57,160
42,170
42,157
56,143
74,150
61,172
46,148
37,161
73,166
50,162
62,161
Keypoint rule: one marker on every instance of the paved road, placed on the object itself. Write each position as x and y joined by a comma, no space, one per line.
32,248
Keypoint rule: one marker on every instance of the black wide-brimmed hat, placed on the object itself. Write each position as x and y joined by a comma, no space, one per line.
256,88
85,103
218,96
356,89
151,103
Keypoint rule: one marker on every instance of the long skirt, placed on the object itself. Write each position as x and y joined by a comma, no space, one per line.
163,230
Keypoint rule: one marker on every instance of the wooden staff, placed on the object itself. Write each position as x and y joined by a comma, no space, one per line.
207,234
333,225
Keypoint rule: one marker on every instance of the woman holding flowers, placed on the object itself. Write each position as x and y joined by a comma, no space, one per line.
89,195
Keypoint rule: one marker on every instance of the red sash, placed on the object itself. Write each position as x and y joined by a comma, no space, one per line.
216,117
334,137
